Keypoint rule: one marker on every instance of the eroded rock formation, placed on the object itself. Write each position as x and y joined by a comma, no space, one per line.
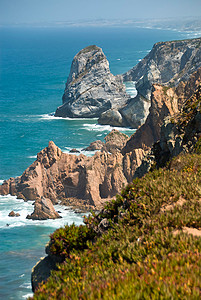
165,101
43,210
56,175
168,63
91,88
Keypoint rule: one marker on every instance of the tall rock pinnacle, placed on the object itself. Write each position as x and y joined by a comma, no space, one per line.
91,88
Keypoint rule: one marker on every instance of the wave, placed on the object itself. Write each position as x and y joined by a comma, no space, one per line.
27,295
52,117
81,151
9,203
1,181
32,156
97,127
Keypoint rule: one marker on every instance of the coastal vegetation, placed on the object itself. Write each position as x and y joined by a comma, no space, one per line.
150,249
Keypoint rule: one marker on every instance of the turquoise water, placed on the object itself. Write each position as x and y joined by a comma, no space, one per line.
34,65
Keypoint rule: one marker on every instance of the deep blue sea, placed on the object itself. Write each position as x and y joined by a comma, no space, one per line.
34,65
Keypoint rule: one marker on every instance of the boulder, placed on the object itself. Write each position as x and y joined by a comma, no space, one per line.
112,117
97,145
91,88
13,214
74,151
43,210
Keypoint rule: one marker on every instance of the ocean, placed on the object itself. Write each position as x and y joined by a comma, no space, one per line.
34,65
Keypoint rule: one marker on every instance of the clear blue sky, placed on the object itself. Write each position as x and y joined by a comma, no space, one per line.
28,11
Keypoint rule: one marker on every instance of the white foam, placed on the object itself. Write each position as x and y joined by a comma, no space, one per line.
130,88
11,203
81,151
26,285
32,156
1,181
97,127
28,295
51,116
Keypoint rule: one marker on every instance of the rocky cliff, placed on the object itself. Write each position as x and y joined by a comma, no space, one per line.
165,101
179,134
59,176
168,63
91,88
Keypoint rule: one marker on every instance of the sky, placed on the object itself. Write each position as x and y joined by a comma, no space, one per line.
36,11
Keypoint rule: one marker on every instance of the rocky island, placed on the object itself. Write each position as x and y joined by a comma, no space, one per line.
91,88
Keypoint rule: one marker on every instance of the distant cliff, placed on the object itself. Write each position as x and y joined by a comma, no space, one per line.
168,63
91,88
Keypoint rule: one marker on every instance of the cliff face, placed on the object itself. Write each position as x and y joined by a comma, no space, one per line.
181,133
167,63
91,88
59,176
165,101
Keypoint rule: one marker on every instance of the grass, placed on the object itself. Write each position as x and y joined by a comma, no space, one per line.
139,256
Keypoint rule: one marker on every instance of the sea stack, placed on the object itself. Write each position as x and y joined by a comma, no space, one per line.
91,88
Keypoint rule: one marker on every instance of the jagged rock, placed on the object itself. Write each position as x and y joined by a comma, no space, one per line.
112,117
168,63
91,88
97,145
115,141
178,134
13,214
43,210
74,151
59,176
165,101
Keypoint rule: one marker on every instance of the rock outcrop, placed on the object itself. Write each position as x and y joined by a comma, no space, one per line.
178,134
56,176
13,214
165,101
114,141
91,88
43,210
168,63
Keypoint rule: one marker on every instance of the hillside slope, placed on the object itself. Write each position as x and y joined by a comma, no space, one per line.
146,244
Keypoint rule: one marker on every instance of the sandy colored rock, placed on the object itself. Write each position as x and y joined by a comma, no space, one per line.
165,101
43,210
59,176
189,230
169,207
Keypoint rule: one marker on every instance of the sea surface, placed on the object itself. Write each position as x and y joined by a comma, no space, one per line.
34,65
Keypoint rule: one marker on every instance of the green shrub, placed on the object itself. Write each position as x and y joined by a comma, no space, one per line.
144,254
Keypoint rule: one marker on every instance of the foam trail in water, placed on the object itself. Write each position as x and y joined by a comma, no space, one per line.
81,151
97,127
11,203
52,117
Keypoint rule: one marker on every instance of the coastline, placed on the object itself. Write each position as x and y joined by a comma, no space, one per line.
25,141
